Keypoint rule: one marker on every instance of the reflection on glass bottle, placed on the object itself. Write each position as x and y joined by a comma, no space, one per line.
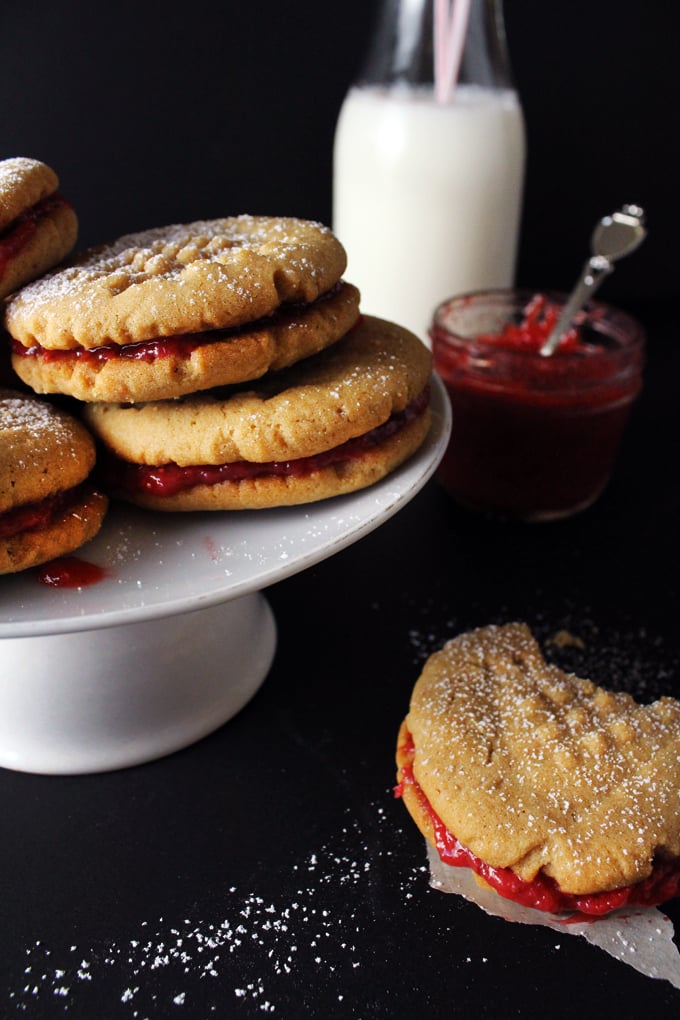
427,191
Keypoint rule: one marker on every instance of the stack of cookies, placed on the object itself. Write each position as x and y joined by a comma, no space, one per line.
224,364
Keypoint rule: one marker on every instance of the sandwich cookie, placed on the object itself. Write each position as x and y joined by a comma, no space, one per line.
559,794
48,507
166,312
38,226
331,424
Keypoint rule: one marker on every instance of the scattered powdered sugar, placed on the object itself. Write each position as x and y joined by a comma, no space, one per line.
247,947
628,656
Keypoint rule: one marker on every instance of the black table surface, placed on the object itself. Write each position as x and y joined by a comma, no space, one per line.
269,869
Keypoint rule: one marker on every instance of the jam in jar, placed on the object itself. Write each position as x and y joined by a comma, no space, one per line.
533,437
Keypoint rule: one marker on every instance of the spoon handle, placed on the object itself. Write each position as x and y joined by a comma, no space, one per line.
593,273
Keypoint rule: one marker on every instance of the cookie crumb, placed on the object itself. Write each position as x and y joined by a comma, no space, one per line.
565,639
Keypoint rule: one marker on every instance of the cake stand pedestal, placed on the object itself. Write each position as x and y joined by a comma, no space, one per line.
178,636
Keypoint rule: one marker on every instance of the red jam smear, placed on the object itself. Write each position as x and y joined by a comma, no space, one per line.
66,571
533,437
542,893
20,231
170,479
71,572
34,516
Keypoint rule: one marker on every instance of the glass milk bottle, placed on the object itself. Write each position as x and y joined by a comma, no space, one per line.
429,160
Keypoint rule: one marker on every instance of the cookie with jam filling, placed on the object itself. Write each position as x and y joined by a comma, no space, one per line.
184,308
48,504
38,225
330,424
559,794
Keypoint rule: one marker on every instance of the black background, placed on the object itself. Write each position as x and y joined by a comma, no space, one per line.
157,113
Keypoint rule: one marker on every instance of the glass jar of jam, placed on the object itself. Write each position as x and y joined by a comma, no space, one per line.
533,437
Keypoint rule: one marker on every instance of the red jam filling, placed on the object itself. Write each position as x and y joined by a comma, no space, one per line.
170,479
149,350
179,346
36,516
542,893
71,572
534,436
20,231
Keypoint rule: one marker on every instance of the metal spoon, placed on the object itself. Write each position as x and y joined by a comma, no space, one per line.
613,237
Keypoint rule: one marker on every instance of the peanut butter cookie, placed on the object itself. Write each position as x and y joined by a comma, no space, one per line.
559,793
47,505
183,278
38,226
332,423
167,368
142,318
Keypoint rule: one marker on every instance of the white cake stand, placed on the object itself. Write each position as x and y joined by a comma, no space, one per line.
178,636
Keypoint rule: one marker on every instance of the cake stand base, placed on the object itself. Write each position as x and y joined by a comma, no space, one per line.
102,699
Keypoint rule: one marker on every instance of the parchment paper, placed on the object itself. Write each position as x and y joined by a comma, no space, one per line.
642,937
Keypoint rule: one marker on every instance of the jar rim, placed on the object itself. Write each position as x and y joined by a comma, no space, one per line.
608,362
601,316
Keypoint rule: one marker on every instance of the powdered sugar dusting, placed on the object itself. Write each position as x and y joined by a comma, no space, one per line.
24,416
42,449
170,251
13,171
23,181
181,278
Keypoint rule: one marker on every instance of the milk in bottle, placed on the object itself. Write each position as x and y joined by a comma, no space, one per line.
427,189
